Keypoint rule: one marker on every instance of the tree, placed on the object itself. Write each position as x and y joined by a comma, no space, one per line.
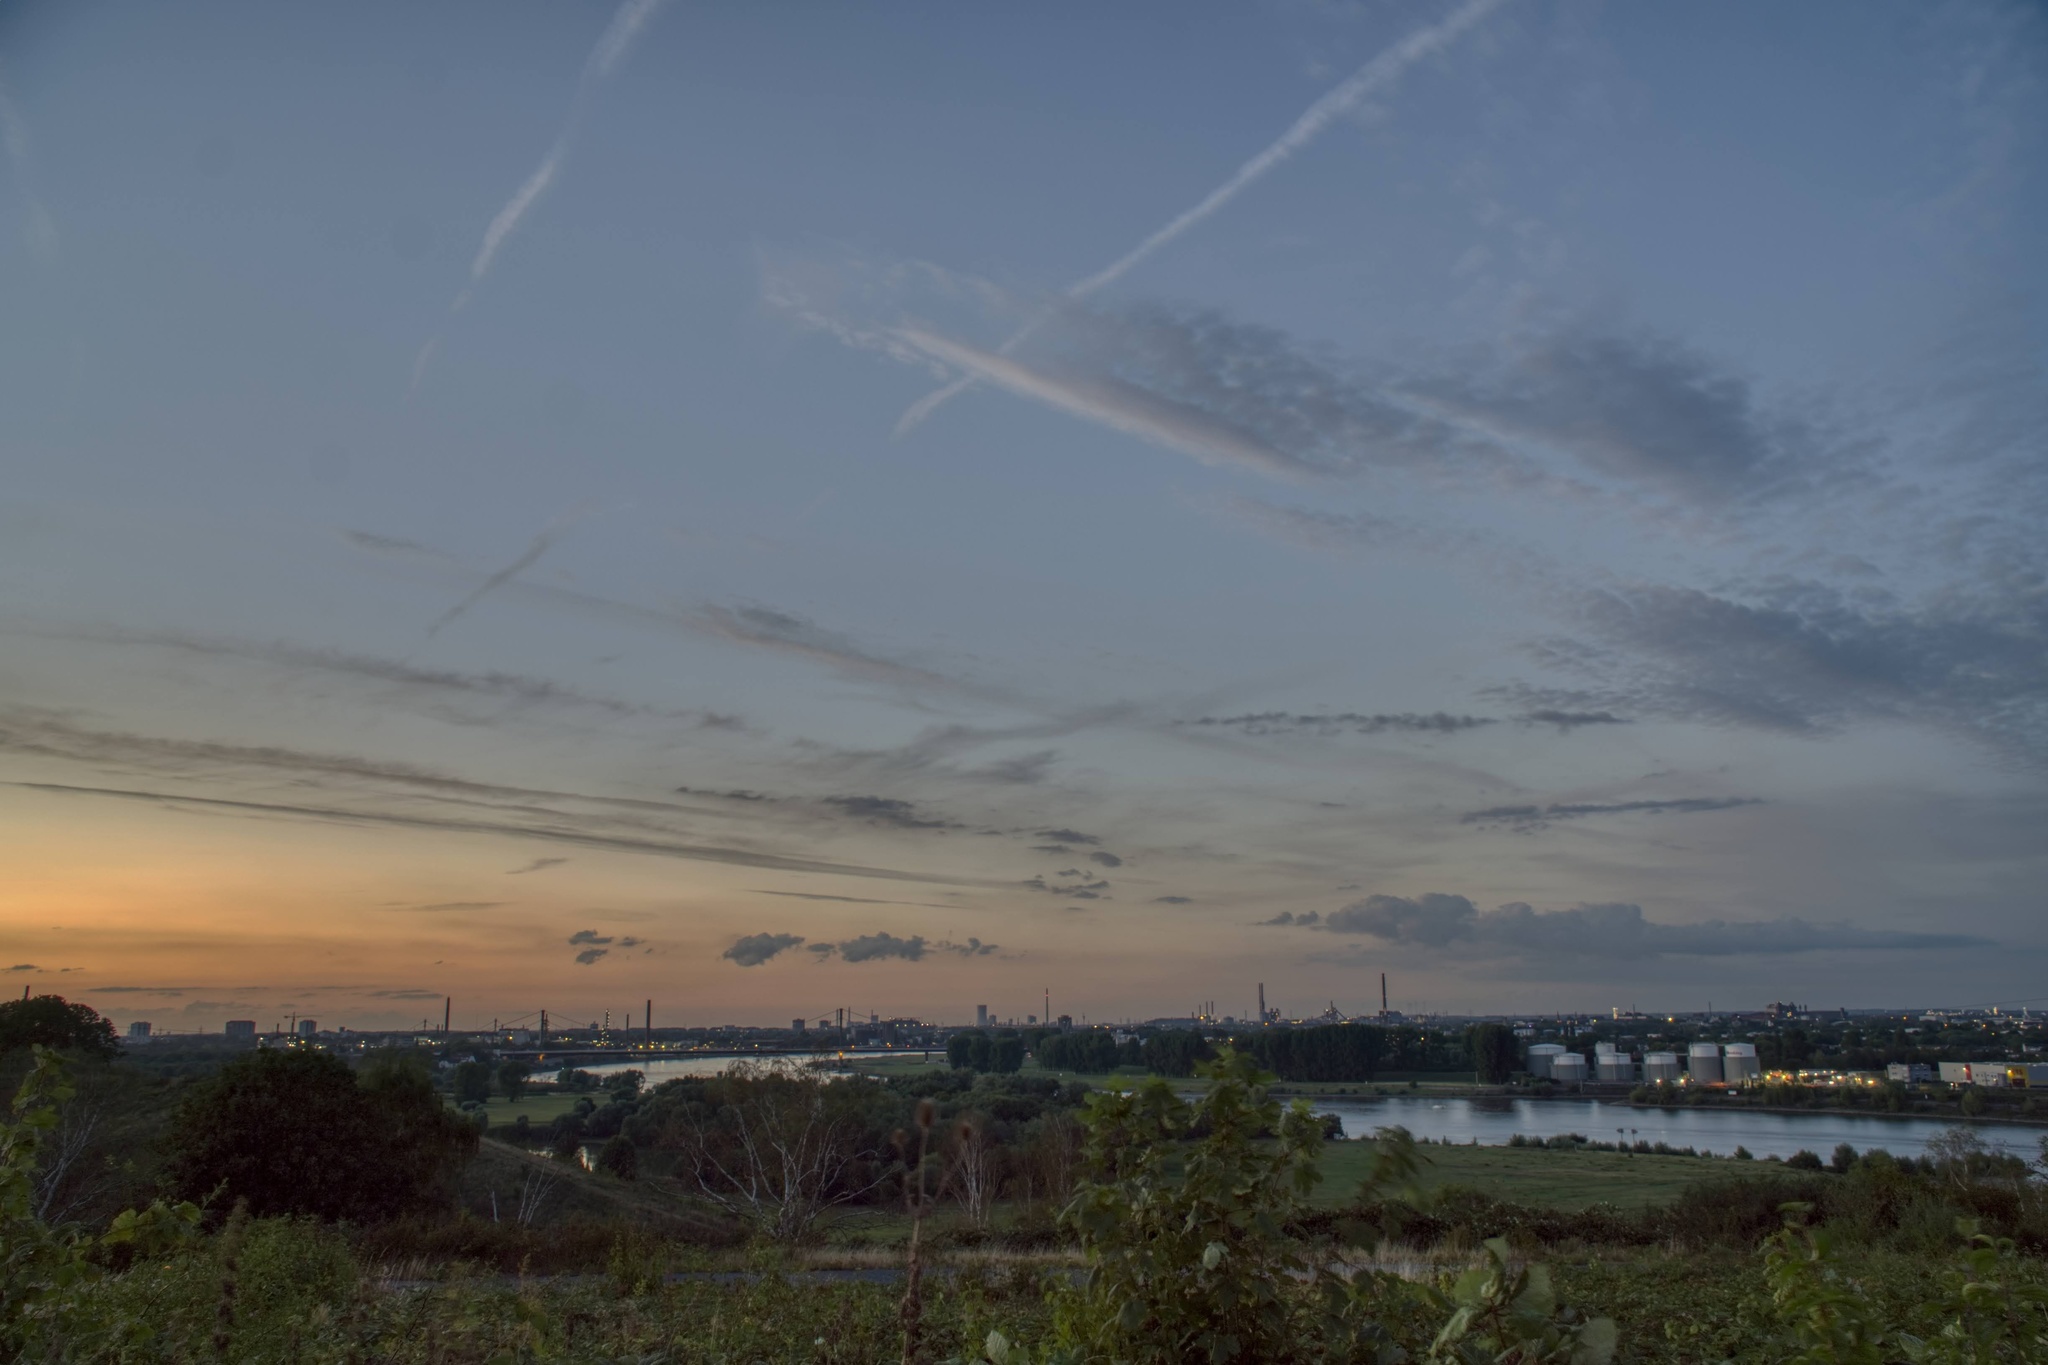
54,1022
777,1150
473,1082
620,1158
1006,1055
296,1132
512,1079
1495,1054
974,1167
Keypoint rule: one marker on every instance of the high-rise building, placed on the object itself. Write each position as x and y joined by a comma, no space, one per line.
981,1016
797,1025
139,1029
241,1028
307,1028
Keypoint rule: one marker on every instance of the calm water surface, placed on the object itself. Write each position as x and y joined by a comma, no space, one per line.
712,1064
1493,1122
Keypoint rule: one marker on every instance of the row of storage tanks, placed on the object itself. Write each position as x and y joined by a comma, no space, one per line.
1704,1063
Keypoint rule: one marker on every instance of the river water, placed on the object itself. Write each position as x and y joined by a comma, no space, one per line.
1492,1122
712,1064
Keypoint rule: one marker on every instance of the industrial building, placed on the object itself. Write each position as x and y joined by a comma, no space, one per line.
1568,1068
1703,1063
1541,1058
1662,1068
242,1028
1739,1065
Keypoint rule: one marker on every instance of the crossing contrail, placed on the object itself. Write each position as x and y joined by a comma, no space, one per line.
611,48
1374,76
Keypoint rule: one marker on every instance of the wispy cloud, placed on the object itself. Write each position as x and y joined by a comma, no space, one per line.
614,843
1534,817
1331,723
1616,930
537,865
611,47
1375,76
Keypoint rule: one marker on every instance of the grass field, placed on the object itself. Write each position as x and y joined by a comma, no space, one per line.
1538,1176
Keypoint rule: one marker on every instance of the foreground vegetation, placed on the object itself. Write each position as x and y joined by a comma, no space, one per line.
997,1218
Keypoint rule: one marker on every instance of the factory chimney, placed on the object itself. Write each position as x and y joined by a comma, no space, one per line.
1383,993
1262,1002
447,1010
650,1023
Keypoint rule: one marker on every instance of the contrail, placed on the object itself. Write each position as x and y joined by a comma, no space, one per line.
40,227
611,48
1375,75
549,534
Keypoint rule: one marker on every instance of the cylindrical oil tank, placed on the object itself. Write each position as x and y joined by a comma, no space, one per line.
1541,1055
1703,1060
1739,1065
1616,1066
1662,1066
1568,1068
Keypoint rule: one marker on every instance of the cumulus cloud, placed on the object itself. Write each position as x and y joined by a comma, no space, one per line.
973,947
873,947
1614,930
1106,859
1538,817
588,936
1433,918
590,955
754,949
1307,920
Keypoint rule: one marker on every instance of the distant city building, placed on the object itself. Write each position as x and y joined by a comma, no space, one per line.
139,1029
797,1025
981,1016
241,1028
307,1028
1911,1072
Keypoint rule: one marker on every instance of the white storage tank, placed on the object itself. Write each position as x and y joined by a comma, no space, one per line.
1541,1055
1739,1065
1568,1068
1662,1066
1703,1060
1616,1067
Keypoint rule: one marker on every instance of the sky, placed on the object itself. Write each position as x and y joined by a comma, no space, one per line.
771,509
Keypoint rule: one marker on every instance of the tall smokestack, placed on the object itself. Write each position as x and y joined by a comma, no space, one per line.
1383,992
650,1023
447,1012
1047,1016
1262,1002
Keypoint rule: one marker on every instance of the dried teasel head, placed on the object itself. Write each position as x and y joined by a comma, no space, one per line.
927,1114
901,1140
965,1130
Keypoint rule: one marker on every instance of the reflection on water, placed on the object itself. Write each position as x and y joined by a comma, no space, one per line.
1494,1120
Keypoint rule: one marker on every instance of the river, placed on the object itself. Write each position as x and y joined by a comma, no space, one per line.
1492,1122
